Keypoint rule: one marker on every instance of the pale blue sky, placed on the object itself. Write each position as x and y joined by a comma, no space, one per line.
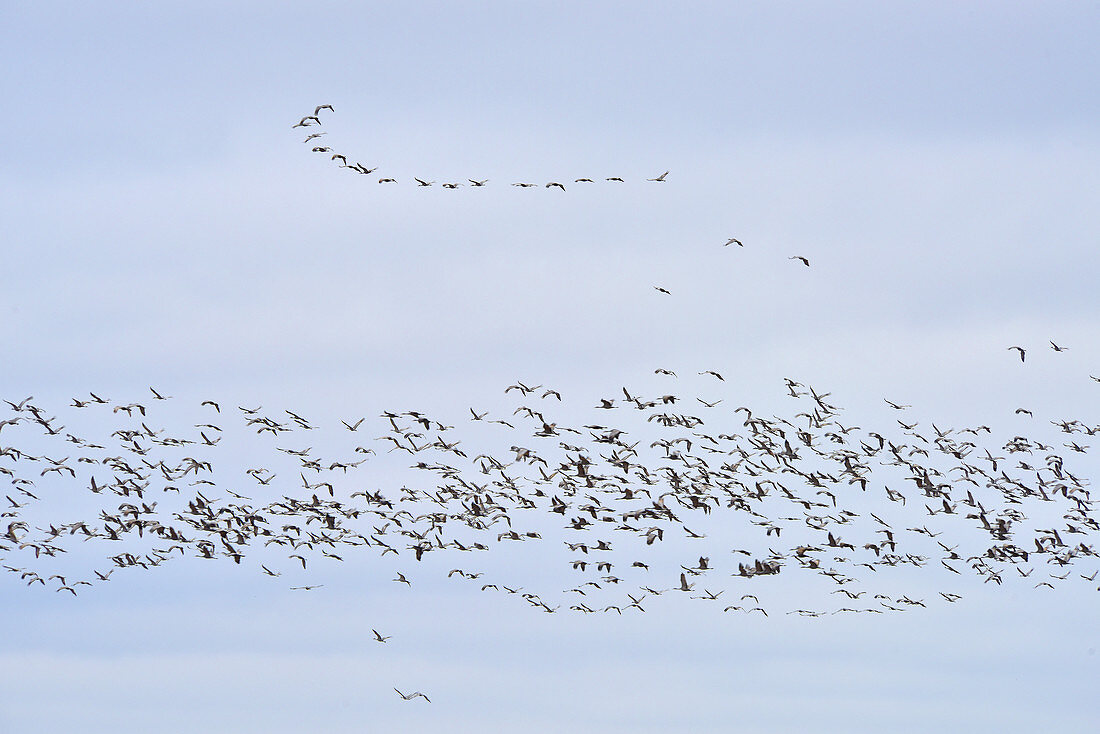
162,224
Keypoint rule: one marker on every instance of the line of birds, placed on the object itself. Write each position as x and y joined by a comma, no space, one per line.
314,120
316,146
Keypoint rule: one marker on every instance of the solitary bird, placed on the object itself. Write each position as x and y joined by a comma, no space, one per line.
1021,351
799,257
411,696
733,241
659,178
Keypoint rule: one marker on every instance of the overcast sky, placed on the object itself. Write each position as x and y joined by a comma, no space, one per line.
163,224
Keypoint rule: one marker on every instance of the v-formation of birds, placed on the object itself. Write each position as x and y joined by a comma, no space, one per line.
313,139
316,146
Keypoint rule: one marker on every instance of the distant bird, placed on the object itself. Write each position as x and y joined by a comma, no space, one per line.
1020,350
662,290
478,183
895,406
388,180
380,638
712,372
1057,348
614,178
422,182
583,180
412,695
320,107
799,257
524,185
659,178
733,241
555,184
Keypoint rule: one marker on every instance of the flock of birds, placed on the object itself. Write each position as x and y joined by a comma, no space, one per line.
809,491
313,139
670,493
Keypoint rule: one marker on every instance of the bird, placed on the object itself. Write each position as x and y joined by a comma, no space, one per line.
733,241
659,178
478,183
1057,348
411,696
555,184
422,182
662,290
803,260
1020,350
380,638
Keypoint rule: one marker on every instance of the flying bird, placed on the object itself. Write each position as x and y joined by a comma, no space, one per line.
411,696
